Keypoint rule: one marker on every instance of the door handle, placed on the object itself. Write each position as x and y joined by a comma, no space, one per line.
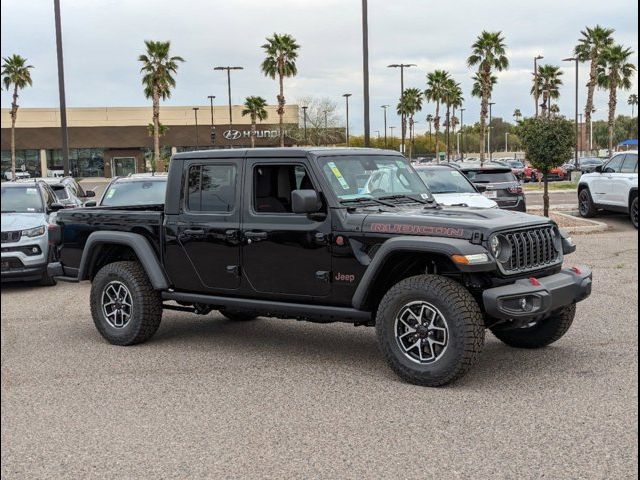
193,232
255,236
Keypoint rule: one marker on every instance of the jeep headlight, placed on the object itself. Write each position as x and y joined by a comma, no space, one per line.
500,248
34,232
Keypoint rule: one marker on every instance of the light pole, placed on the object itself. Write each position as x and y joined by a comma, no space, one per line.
462,132
536,94
304,122
365,71
506,142
580,135
575,59
326,136
228,69
403,117
346,98
63,102
458,142
391,130
385,123
213,135
491,104
195,114
378,134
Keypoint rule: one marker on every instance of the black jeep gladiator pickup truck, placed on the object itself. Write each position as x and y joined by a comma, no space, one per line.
309,234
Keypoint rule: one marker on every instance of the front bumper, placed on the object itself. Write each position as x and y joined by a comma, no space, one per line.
530,299
23,272
519,206
25,259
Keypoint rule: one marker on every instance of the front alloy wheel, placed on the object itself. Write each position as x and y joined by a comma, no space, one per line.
422,332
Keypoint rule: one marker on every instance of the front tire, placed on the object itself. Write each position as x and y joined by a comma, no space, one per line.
126,309
586,206
430,330
541,334
633,211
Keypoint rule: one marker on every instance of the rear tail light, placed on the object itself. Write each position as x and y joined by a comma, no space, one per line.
514,189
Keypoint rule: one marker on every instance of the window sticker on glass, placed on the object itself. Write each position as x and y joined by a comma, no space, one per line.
338,174
424,196
400,164
111,193
32,191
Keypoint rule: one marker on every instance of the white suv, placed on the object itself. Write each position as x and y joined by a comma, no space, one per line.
614,186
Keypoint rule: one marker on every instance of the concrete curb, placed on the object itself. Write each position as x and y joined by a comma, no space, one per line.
593,228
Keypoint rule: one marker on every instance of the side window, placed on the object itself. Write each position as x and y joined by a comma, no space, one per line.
211,188
273,184
630,164
48,195
614,164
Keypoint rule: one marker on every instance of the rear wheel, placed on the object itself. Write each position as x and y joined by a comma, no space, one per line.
540,334
633,211
430,330
585,204
125,308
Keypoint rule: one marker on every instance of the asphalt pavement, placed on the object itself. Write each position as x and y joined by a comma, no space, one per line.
210,398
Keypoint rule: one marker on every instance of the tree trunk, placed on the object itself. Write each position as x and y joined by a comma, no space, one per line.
484,111
612,113
157,162
14,117
281,103
436,124
448,134
545,195
253,133
591,86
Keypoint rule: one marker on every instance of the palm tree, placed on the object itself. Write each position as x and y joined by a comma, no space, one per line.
282,52
633,101
452,98
15,72
554,109
549,83
158,69
517,114
589,49
436,88
410,104
254,107
429,122
489,53
615,73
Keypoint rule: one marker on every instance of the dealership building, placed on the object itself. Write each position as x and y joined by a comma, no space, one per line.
110,141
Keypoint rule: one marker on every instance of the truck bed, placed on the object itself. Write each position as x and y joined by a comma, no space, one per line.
78,223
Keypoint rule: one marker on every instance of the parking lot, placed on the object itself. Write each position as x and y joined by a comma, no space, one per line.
279,398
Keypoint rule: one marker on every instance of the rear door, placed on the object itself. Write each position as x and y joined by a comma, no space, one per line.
622,180
203,247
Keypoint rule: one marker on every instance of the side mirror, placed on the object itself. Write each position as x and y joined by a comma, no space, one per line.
89,193
92,203
55,207
599,169
305,201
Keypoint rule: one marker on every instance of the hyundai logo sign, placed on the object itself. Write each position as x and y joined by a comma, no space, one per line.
232,134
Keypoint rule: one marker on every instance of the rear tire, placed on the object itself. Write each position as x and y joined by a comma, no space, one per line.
543,333
443,322
633,211
125,307
238,315
586,206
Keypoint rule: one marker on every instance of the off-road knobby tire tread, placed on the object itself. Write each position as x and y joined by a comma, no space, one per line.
148,312
634,199
459,300
540,335
593,211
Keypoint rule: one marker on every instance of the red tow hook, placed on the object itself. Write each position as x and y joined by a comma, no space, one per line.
576,270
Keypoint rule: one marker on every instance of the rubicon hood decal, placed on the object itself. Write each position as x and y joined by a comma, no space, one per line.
416,229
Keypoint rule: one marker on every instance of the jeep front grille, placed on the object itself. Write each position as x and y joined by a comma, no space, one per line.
10,237
532,249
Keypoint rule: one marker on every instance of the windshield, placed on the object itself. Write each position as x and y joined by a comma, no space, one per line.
143,192
488,176
372,176
21,200
590,161
440,180
515,164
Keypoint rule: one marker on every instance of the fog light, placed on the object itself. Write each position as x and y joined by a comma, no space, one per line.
35,250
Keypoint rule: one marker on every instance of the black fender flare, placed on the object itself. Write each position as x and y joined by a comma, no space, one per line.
140,245
437,245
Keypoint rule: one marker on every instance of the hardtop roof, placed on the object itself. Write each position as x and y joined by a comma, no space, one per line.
286,152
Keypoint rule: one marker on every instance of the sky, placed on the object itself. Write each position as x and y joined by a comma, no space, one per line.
103,38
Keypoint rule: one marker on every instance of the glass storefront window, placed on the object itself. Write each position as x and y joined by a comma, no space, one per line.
29,158
83,162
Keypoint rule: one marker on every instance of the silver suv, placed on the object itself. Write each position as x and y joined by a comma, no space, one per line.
28,214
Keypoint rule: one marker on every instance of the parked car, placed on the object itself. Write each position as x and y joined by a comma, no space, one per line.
20,175
529,174
557,174
497,183
613,186
287,233
589,164
517,167
138,189
28,218
65,194
451,187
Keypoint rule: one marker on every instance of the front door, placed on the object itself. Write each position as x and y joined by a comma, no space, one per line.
283,253
203,243
603,185
122,166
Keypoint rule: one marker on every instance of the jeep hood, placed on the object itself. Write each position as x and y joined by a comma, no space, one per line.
454,222
22,221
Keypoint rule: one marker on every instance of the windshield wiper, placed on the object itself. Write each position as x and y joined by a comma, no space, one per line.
8,211
398,196
375,201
